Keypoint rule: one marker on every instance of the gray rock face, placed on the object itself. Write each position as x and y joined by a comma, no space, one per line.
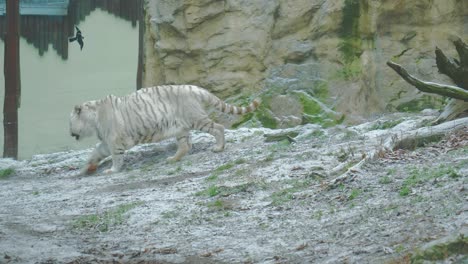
234,48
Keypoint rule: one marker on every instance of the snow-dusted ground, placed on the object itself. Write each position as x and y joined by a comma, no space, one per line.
255,202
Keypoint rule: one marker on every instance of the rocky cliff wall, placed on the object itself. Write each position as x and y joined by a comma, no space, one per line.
310,60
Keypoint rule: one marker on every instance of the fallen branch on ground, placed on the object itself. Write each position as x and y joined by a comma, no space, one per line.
399,140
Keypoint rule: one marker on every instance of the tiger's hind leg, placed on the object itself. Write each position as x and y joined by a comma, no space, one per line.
184,144
216,130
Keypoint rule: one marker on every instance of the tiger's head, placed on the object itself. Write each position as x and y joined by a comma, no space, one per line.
83,120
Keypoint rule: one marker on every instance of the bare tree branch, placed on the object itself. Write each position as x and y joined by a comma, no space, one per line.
462,50
430,87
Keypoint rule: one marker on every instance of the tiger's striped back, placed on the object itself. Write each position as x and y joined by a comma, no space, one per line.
186,92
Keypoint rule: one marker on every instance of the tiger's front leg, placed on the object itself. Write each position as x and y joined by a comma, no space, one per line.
117,163
117,153
99,153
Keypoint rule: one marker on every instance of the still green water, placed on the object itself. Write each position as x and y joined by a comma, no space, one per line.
52,86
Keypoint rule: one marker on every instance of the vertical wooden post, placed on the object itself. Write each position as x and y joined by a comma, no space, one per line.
141,32
12,81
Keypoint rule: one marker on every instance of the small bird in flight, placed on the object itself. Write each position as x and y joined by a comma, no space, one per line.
78,37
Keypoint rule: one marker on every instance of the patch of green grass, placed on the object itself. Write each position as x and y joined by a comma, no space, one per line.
212,177
263,226
224,167
212,191
404,191
400,248
287,194
283,196
269,158
320,134
349,134
391,207
354,193
318,215
176,170
5,173
218,204
420,176
106,220
224,190
385,124
170,214
240,161
452,173
385,180
280,146
147,168
241,172
341,186
417,199
343,155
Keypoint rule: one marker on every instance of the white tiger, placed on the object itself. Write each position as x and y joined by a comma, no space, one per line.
148,115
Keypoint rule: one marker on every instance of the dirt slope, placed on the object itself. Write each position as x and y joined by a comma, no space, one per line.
257,202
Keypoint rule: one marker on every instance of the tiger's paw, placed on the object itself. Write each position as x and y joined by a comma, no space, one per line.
172,159
217,148
109,171
91,168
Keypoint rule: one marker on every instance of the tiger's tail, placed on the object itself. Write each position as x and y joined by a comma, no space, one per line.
232,109
236,110
224,107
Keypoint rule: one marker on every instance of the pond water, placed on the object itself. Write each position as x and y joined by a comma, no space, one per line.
51,86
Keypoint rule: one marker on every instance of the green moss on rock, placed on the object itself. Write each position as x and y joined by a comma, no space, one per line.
349,71
313,112
266,119
442,251
243,120
349,31
294,94
320,90
419,104
310,106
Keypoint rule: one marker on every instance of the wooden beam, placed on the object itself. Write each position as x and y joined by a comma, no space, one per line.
141,33
12,81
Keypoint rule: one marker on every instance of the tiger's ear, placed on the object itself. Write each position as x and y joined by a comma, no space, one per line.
78,109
